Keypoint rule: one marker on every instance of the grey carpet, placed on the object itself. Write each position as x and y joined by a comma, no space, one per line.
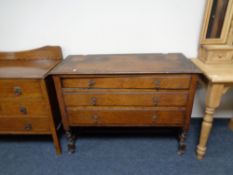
118,154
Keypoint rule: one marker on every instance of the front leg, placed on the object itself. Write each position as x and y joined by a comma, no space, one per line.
182,145
213,99
71,141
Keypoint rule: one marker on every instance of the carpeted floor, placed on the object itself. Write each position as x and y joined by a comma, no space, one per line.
115,154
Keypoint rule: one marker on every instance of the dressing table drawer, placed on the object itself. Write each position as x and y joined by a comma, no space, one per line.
24,125
19,88
24,108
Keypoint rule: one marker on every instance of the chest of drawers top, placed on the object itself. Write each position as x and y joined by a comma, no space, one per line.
174,63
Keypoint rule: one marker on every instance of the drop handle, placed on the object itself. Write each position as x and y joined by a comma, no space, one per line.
94,101
28,127
91,83
17,91
23,110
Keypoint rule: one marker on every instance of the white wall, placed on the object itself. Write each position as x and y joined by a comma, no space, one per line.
106,26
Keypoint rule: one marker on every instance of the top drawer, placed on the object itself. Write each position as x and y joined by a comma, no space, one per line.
17,88
130,82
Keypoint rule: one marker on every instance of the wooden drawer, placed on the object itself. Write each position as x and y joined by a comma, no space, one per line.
19,88
14,125
124,98
125,116
216,54
27,108
137,82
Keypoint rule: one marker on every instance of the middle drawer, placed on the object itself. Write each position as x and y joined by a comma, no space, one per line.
84,97
26,107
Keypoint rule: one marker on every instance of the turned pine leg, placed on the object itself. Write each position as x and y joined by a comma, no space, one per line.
71,141
212,102
182,145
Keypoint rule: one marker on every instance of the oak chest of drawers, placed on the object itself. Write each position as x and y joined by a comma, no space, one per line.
148,90
28,103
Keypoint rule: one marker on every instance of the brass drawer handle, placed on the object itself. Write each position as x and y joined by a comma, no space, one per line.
157,84
28,127
17,90
94,101
155,101
91,83
23,110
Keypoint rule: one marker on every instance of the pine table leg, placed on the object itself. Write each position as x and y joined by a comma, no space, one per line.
213,99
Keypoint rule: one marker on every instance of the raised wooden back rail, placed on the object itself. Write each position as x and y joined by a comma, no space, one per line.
47,52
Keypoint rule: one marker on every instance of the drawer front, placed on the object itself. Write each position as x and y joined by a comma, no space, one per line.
125,116
134,82
23,108
14,125
19,88
122,98
221,56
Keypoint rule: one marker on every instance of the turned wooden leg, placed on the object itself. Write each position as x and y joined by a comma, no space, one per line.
182,145
71,142
205,132
212,102
231,124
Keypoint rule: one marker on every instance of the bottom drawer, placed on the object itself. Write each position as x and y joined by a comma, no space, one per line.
22,125
125,116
